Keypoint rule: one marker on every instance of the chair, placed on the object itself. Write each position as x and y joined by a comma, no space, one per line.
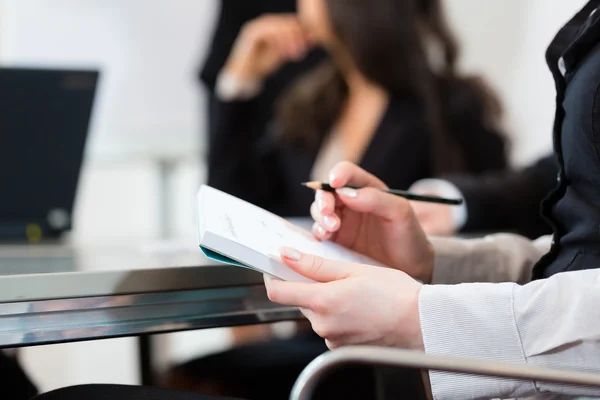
316,370
121,392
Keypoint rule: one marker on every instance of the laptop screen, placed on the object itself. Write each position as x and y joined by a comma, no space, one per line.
44,122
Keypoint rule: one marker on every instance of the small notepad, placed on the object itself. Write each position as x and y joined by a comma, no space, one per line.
238,233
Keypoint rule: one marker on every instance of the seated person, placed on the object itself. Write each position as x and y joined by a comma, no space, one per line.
380,100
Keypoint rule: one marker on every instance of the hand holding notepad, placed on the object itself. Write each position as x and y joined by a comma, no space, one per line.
238,233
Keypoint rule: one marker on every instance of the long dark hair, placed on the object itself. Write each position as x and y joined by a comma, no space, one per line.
387,40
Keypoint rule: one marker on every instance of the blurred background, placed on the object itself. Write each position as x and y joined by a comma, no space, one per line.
146,153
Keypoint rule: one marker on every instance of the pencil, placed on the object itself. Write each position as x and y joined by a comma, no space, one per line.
402,193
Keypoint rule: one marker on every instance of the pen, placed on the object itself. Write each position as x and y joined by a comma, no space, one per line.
402,193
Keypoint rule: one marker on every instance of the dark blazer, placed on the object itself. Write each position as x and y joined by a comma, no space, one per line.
508,200
268,172
573,208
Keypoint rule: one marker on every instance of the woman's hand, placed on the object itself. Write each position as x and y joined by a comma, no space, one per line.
436,219
371,222
265,44
352,304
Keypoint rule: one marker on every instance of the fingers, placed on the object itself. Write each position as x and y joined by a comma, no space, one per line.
320,233
325,202
294,294
297,44
376,202
315,267
289,39
322,211
346,173
283,32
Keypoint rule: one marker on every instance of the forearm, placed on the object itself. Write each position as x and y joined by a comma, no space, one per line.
509,200
494,258
552,322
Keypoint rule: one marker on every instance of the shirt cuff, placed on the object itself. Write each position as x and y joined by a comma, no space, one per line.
473,321
445,188
231,88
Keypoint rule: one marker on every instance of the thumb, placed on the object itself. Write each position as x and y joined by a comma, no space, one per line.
315,267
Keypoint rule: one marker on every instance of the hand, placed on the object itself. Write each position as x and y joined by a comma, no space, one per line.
352,304
436,219
373,223
265,44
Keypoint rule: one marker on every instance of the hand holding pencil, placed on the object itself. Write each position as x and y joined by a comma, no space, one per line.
402,193
371,222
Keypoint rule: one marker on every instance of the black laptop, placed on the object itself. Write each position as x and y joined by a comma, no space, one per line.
44,121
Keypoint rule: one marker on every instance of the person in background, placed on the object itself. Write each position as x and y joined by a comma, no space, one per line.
494,201
387,97
498,200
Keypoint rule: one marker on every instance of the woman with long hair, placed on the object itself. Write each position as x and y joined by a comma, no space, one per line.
388,97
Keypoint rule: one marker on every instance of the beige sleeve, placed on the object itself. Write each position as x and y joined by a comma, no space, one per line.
494,258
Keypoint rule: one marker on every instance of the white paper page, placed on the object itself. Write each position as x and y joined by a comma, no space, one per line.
264,232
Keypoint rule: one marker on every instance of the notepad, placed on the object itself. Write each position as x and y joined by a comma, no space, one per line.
235,232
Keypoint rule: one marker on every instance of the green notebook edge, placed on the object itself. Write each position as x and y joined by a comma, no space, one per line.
213,255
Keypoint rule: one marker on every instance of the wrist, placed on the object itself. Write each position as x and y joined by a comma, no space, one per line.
425,274
231,86
242,69
407,327
416,335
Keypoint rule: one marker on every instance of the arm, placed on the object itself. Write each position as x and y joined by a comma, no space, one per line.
232,17
495,258
508,200
552,322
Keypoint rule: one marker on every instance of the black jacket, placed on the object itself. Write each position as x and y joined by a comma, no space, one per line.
508,200
573,208
249,163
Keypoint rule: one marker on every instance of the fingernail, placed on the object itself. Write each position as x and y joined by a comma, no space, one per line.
347,192
321,205
332,177
321,231
290,254
330,222
320,202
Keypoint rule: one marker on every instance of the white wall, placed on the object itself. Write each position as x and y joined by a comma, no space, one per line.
148,51
506,41
150,105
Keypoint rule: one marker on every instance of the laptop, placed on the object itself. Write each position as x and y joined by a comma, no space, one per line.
44,121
